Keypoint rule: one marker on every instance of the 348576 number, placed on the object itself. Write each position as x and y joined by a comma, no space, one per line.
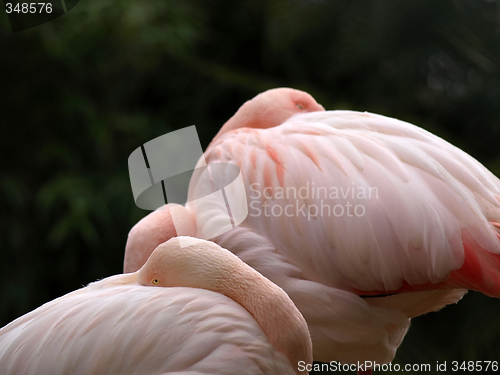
28,8
475,366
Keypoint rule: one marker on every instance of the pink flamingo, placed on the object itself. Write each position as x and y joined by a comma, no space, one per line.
416,221
211,314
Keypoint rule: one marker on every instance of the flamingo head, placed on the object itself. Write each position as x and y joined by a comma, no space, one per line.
269,109
197,264
273,107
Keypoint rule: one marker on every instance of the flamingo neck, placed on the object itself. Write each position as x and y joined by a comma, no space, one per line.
284,326
156,228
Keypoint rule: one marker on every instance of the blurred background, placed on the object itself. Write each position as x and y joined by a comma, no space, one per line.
79,94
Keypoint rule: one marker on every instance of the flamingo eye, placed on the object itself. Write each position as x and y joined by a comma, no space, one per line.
300,106
155,282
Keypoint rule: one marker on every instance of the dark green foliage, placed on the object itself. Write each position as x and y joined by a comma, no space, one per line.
82,92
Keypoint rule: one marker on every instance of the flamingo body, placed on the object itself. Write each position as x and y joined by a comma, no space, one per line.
137,330
121,326
425,209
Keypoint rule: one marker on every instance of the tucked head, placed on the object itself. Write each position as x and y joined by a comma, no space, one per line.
269,109
197,264
273,107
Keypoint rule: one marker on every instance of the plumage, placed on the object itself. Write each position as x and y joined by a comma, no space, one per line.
417,214
386,208
119,325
